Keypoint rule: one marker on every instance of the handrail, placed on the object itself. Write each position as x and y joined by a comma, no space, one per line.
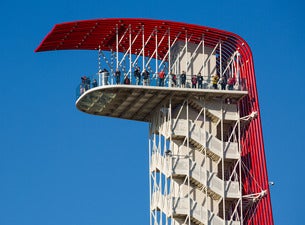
169,80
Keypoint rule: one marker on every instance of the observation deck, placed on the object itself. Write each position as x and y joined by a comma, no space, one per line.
134,102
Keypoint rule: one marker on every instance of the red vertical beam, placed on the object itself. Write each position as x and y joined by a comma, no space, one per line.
257,162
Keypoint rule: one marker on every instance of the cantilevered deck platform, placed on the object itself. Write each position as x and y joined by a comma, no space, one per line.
135,102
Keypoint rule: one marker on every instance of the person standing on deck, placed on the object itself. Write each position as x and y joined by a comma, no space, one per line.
199,80
161,78
145,75
117,75
183,78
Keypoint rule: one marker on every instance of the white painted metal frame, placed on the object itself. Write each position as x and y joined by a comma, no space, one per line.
233,65
163,128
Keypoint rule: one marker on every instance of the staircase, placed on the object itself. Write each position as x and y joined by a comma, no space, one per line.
180,206
198,192
199,176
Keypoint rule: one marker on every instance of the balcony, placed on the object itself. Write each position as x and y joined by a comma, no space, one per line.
106,78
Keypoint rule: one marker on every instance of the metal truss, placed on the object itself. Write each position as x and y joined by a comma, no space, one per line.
185,176
227,63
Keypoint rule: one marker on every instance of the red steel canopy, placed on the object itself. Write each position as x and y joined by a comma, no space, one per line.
101,34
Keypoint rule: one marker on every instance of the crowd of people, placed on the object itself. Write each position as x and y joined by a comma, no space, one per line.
196,81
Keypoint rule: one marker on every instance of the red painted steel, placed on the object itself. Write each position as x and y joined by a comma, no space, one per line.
101,33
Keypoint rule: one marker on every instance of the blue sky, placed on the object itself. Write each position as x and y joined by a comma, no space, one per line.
59,166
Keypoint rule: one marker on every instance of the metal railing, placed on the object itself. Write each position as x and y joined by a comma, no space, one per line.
169,81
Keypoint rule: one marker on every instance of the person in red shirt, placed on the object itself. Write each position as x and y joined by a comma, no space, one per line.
161,78
231,83
126,79
194,81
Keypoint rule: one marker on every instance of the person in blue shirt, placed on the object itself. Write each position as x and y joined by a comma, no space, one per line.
183,78
117,75
199,80
137,75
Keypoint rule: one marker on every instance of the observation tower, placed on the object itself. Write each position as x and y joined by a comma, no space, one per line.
196,89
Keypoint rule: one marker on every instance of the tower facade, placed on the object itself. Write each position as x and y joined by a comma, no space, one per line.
196,89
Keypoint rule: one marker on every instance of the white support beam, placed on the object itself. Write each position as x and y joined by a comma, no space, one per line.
130,45
117,45
156,50
240,166
187,60
155,53
169,48
144,43
220,59
203,56
195,52
130,51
